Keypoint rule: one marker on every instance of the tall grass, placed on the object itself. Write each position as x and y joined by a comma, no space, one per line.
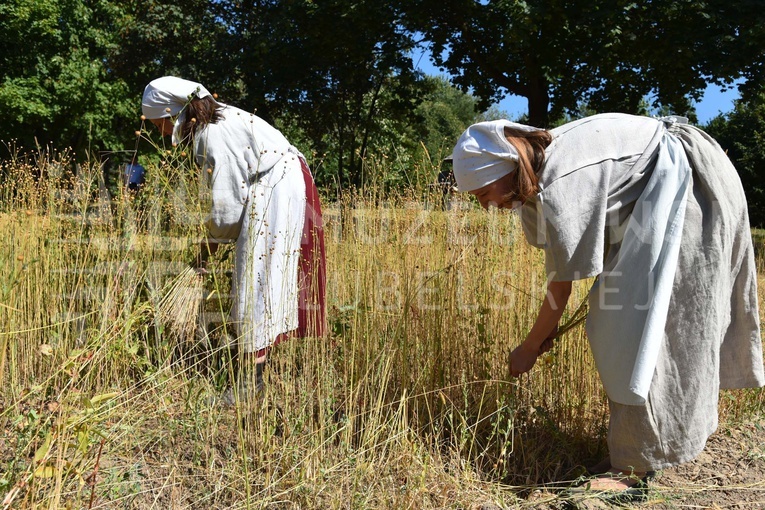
408,402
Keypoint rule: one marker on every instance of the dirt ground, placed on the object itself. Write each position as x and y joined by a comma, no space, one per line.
729,473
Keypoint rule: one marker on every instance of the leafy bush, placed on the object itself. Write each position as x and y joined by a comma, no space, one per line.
741,133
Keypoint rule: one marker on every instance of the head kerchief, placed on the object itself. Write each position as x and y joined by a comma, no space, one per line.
166,96
483,154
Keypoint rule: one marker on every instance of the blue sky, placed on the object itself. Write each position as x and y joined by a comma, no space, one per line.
714,101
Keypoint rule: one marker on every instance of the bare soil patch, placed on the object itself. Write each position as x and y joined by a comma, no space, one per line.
729,473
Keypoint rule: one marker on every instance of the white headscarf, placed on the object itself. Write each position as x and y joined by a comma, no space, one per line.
483,154
166,96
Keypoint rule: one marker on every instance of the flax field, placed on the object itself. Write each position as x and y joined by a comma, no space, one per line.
408,402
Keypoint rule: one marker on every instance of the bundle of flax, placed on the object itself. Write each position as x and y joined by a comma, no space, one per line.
577,317
181,303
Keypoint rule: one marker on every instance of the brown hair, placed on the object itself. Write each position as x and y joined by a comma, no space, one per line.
531,147
199,113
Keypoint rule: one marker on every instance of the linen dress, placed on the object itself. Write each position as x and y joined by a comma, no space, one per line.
263,196
598,172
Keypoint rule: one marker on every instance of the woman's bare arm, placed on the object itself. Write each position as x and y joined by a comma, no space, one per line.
525,355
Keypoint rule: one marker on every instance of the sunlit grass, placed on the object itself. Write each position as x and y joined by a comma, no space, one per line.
407,403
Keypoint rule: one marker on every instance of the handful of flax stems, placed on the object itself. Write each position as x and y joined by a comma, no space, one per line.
576,318
181,303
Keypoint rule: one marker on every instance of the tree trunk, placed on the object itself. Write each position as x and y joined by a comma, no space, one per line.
539,102
368,126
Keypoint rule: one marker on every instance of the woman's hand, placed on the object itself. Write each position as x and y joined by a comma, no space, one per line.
201,268
540,338
549,342
522,359
206,249
199,264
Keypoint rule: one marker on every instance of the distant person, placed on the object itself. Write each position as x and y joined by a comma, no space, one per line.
446,183
264,197
134,176
655,210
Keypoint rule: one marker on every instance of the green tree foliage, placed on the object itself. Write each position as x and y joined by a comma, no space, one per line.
161,37
56,87
337,75
445,113
338,72
608,54
742,134
341,70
